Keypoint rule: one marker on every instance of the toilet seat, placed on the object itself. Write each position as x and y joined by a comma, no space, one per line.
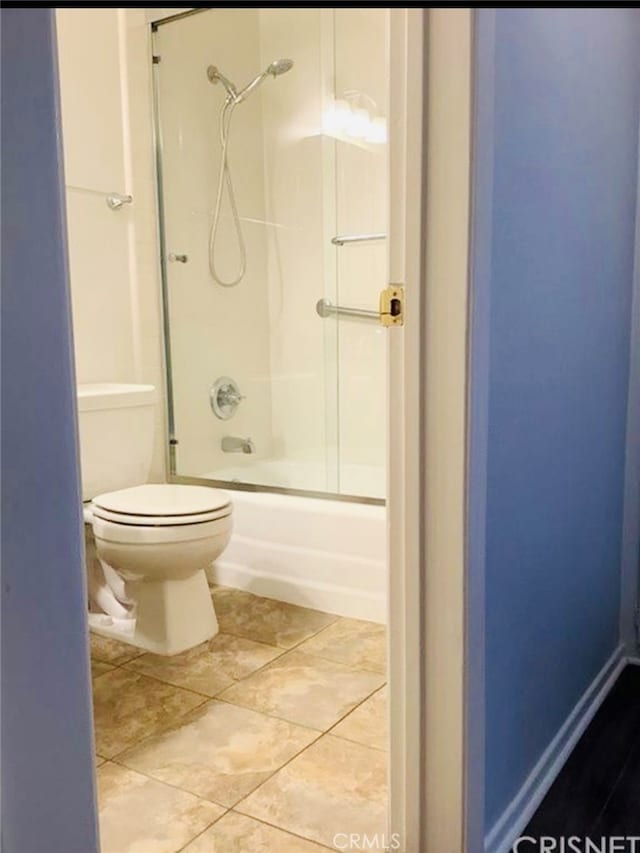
159,520
158,534
165,505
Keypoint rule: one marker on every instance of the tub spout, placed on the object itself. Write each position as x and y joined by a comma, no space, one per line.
233,444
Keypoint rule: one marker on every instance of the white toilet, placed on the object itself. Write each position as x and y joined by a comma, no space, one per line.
158,538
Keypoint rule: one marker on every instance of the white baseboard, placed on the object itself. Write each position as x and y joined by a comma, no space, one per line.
521,809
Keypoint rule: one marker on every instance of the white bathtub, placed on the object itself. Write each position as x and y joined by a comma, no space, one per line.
328,555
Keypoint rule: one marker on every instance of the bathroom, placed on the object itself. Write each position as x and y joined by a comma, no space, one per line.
216,214
385,407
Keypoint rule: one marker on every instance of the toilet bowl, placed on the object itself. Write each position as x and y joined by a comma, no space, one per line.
160,539
152,542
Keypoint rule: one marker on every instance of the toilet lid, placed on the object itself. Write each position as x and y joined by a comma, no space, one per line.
164,501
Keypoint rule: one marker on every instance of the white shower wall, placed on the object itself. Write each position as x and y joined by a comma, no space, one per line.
329,377
300,201
215,331
315,389
361,51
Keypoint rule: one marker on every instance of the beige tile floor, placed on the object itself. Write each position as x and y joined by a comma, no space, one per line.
271,737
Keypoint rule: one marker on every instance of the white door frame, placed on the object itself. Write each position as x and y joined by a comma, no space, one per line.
430,128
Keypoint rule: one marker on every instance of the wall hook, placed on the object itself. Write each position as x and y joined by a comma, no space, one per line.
116,200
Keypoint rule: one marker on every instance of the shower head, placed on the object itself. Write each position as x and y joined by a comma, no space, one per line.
279,66
275,69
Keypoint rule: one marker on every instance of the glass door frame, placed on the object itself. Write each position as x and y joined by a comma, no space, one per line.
171,456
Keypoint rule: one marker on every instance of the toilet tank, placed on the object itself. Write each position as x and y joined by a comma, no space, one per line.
116,436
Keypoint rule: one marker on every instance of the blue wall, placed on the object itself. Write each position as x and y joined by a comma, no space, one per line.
47,744
565,128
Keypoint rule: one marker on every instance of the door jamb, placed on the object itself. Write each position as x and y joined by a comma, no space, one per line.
429,250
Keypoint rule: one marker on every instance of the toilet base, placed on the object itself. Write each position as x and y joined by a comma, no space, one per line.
172,616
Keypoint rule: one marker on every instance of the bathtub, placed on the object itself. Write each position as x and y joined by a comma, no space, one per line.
323,554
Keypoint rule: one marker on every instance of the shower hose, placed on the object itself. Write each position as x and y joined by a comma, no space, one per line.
224,179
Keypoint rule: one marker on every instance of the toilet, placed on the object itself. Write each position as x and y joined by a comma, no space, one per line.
158,538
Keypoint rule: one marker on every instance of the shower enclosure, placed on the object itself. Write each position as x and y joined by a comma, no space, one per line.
272,176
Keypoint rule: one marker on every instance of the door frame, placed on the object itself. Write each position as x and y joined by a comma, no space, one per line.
430,130
430,142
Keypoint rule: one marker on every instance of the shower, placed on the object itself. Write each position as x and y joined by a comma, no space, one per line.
234,97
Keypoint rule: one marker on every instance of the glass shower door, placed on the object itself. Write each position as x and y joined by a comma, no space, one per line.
263,390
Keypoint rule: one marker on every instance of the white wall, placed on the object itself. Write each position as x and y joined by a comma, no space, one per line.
215,330
106,118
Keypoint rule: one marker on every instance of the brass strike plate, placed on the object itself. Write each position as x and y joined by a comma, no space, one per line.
392,305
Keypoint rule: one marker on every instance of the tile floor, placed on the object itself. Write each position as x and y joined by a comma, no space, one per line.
272,736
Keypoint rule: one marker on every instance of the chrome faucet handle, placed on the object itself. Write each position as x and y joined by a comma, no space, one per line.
225,397
229,395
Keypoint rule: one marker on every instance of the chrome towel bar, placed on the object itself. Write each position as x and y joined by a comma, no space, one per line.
114,200
390,313
341,239
325,308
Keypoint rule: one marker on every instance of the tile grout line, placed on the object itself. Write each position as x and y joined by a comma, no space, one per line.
171,785
164,729
271,775
352,711
272,715
267,714
200,834
207,700
256,820
285,831
284,648
214,802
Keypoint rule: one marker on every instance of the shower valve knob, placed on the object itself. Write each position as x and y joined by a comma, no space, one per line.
225,397
180,259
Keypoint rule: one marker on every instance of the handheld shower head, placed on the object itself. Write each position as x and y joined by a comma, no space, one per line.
275,69
279,66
